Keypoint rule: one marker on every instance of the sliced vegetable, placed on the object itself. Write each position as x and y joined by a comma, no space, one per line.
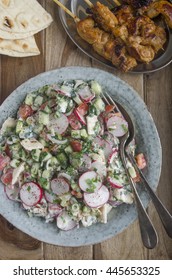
73,121
97,199
4,161
90,182
12,192
80,117
31,193
59,125
59,186
117,126
86,94
25,111
65,222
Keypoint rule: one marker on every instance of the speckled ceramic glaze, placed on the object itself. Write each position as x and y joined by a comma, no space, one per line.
147,141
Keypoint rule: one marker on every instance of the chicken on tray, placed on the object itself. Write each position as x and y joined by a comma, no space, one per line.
139,34
105,44
121,35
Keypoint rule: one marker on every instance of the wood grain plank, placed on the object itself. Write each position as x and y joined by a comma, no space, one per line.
159,100
66,54
14,71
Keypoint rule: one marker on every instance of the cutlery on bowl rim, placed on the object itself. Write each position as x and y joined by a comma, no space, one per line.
165,216
148,232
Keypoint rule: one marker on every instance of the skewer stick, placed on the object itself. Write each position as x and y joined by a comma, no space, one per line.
89,3
76,19
117,2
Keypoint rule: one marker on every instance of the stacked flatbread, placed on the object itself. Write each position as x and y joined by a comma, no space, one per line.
19,21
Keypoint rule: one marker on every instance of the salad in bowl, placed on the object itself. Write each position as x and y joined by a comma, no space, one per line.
59,157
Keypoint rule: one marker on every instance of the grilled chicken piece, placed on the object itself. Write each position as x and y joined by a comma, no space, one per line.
105,44
161,7
87,30
139,51
138,4
149,33
124,14
104,17
121,59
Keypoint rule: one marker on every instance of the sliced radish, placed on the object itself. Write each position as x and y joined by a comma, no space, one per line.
86,94
4,161
97,199
99,167
65,175
59,186
117,126
90,182
115,183
31,193
50,197
80,117
99,141
115,203
86,165
113,156
54,209
65,222
59,124
61,91
12,192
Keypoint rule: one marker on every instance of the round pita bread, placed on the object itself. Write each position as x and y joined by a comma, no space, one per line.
22,18
19,48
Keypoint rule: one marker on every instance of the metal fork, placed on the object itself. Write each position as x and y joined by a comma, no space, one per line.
163,213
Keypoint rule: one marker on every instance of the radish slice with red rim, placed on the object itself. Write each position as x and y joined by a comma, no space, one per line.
59,124
80,117
65,222
86,165
117,126
97,199
54,209
59,186
114,182
90,182
61,91
31,193
50,197
12,192
86,94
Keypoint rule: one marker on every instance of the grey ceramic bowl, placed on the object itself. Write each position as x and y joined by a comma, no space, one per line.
147,140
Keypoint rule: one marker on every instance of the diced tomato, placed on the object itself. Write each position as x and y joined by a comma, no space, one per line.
6,178
83,109
4,160
109,108
42,107
76,145
76,194
141,162
73,121
7,150
25,111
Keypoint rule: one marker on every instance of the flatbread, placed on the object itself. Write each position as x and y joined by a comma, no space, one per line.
22,18
19,48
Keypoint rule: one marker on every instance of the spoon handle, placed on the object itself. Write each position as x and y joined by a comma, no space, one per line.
148,232
163,213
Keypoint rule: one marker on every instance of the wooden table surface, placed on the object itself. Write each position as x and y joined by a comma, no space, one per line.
57,50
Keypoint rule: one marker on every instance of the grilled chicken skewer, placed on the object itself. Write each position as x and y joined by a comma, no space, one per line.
102,42
141,36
